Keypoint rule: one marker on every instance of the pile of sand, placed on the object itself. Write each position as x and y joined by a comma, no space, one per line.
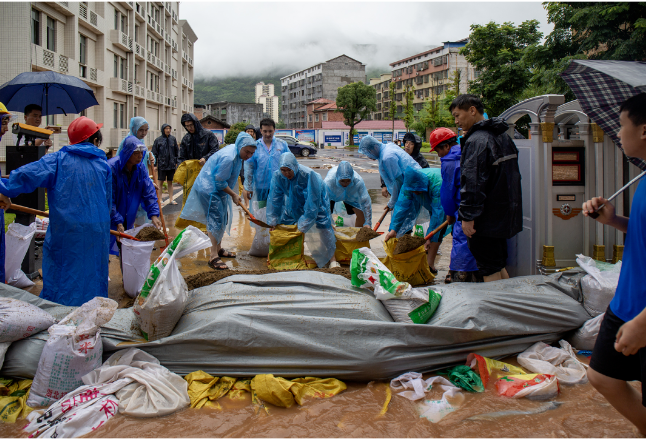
408,243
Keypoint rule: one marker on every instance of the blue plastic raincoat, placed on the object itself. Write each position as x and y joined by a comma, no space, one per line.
461,257
393,161
355,194
135,125
409,204
258,170
79,192
303,201
208,203
127,195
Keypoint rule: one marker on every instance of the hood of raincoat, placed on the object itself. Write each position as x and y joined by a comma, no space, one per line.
289,160
344,171
162,130
416,140
496,126
191,117
415,180
85,149
454,154
135,124
130,144
244,140
371,147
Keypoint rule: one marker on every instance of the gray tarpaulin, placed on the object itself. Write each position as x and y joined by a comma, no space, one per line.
315,324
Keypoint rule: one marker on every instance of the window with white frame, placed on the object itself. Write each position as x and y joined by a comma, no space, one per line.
51,34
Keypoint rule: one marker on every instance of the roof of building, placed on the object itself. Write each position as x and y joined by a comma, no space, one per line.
364,125
303,70
188,30
344,55
326,107
446,43
320,101
213,118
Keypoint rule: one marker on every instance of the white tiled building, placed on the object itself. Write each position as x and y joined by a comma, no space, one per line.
137,57
265,95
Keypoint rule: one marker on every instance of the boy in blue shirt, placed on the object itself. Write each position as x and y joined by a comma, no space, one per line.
619,354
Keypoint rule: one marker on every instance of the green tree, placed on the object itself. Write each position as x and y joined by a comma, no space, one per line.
392,110
280,124
233,132
496,51
409,107
355,101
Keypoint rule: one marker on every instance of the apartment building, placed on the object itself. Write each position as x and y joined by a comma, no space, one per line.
319,81
382,90
137,57
265,95
431,72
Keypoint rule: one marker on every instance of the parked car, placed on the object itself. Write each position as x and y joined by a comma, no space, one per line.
298,148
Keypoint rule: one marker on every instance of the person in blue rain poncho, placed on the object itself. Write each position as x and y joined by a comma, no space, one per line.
131,187
346,185
139,128
213,192
463,267
299,197
393,161
260,169
421,190
5,117
79,191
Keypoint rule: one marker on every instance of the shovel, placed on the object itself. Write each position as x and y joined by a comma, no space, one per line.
46,214
254,219
161,215
436,230
381,219
595,214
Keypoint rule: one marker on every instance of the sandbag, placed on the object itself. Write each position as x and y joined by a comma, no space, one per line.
342,219
17,240
131,382
135,257
74,348
561,362
599,285
404,303
19,320
164,294
4,346
410,267
287,249
260,243
585,337
13,399
346,243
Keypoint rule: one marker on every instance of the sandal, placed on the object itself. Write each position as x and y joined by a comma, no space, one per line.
217,264
173,202
448,278
221,253
433,271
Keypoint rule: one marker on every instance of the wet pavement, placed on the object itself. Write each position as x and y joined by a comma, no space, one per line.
356,411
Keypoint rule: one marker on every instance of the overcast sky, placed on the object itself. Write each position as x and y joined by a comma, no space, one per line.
245,39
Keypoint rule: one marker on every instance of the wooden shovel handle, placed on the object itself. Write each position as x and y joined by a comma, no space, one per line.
381,219
46,214
247,212
438,229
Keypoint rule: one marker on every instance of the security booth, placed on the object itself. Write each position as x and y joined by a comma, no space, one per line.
567,160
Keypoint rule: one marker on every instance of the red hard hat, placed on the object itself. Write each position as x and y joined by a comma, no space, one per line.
82,128
440,135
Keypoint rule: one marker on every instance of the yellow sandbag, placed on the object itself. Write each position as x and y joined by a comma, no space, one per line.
286,250
204,389
410,267
13,400
346,242
185,175
284,393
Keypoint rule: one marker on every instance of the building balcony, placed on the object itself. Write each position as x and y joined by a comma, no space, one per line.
116,135
140,52
190,85
119,85
121,40
140,92
167,69
63,7
190,61
173,44
184,107
174,74
91,18
154,27
159,64
167,38
167,8
185,56
190,109
129,5
139,9
185,82
174,17
173,103
152,61
91,75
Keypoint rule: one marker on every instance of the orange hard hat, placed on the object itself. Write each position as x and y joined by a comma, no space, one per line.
440,135
82,128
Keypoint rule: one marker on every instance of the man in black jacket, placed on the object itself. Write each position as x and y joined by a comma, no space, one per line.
491,200
166,152
198,143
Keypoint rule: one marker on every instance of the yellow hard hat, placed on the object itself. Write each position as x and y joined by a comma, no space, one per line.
3,109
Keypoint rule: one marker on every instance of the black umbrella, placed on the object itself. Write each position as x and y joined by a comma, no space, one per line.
55,93
601,87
